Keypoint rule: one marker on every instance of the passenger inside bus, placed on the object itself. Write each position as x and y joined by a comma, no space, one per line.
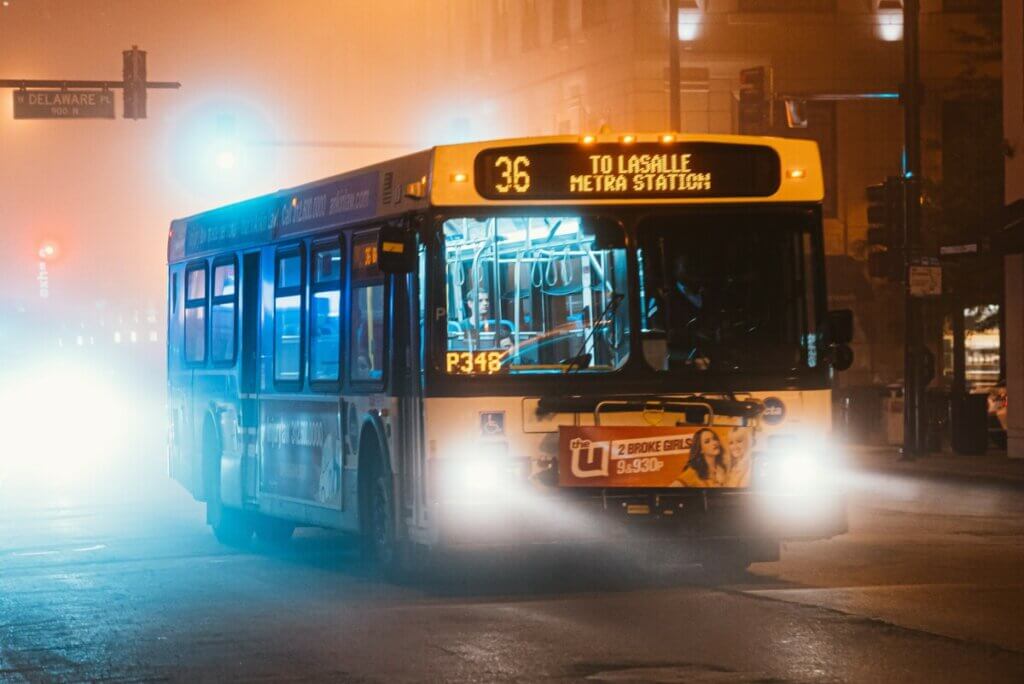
480,327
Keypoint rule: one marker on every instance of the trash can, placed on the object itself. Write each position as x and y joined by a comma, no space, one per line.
970,423
892,415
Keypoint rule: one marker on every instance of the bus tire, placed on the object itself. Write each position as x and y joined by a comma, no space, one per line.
380,545
273,531
231,526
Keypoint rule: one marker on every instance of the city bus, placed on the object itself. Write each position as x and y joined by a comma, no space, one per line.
544,340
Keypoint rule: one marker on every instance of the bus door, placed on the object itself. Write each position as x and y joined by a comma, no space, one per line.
408,387
249,382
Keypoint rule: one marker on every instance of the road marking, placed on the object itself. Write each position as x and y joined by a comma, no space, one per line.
35,553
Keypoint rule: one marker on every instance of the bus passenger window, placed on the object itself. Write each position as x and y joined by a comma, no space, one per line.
288,318
222,314
367,310
195,314
368,332
325,315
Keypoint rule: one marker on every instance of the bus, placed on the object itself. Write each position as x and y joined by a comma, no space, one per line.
529,341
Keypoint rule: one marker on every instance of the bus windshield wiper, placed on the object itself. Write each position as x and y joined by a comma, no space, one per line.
581,359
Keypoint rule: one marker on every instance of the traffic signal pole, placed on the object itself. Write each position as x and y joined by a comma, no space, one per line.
913,388
133,83
674,105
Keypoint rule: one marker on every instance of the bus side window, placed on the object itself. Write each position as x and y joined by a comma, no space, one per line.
195,313
325,313
367,355
222,312
288,316
174,293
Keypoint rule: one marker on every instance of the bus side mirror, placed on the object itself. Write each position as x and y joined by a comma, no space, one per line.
838,328
396,248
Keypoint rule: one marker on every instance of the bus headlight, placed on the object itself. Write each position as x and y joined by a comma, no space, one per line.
474,476
800,473
479,470
798,467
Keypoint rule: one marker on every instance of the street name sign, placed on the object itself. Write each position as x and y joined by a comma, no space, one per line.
63,104
947,250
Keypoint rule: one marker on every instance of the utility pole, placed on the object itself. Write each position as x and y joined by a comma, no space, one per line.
914,406
674,116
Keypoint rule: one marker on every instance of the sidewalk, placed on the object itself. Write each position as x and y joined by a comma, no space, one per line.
992,468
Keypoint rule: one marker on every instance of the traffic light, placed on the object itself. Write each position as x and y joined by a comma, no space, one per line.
48,250
134,83
886,229
755,100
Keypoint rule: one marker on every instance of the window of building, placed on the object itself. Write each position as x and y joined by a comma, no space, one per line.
367,345
787,5
195,313
325,313
595,13
559,20
288,316
223,322
530,26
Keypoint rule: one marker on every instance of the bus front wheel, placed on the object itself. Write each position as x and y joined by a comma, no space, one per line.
273,531
725,562
231,526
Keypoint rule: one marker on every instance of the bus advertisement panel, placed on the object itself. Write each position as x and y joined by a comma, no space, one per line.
627,456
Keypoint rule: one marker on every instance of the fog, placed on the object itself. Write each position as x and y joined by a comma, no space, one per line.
272,94
300,90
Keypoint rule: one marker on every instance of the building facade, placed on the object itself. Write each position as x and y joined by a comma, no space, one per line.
1013,127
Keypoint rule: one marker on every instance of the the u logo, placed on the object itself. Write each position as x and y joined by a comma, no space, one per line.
589,459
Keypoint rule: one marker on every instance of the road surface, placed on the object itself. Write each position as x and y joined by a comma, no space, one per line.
129,585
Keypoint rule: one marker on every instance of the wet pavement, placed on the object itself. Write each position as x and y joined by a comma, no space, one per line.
128,585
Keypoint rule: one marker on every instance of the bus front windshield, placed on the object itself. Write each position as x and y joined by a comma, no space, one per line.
726,292
535,295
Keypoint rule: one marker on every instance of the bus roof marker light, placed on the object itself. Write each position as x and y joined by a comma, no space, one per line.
627,139
416,190
460,177
668,138
796,174
295,202
588,139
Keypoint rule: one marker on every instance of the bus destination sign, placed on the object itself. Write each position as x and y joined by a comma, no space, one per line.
560,171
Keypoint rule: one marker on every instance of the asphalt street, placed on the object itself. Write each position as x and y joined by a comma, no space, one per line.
127,584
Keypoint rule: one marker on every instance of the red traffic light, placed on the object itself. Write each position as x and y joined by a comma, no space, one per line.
48,250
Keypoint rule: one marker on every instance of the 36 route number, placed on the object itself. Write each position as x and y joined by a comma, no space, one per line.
514,175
